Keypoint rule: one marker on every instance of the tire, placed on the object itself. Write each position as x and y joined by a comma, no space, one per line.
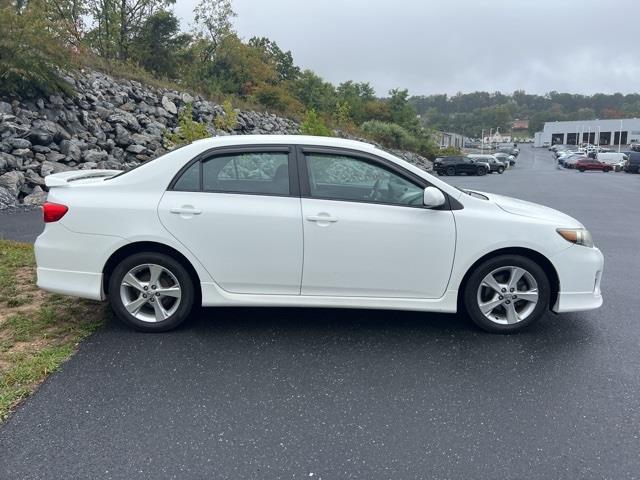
158,313
451,171
606,170
581,170
481,171
500,170
526,312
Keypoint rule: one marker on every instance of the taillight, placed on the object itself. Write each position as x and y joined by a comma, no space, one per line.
53,212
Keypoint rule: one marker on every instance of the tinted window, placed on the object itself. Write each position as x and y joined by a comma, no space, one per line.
260,173
341,177
190,179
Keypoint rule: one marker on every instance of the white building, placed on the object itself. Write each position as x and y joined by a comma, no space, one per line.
597,132
448,139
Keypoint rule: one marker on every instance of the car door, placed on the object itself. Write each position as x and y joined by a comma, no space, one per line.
366,231
238,211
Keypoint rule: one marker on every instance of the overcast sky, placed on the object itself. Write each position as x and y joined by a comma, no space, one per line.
447,46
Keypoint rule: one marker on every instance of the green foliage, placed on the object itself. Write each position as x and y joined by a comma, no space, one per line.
449,152
229,120
314,125
277,98
188,130
30,52
157,46
390,135
273,54
314,93
342,115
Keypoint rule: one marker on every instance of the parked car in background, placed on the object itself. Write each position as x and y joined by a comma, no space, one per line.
495,165
456,164
509,151
545,145
230,221
505,158
632,165
616,160
585,164
571,161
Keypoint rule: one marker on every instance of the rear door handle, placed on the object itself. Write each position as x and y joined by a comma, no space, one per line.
321,218
185,211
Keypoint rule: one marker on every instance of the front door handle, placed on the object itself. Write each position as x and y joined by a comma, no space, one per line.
186,210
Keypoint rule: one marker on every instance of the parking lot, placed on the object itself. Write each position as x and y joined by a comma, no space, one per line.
293,393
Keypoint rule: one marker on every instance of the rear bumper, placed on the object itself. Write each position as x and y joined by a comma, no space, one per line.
580,271
67,282
71,263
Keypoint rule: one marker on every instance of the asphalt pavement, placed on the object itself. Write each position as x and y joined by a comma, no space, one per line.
335,394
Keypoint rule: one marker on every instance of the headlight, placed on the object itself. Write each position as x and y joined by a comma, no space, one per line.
579,236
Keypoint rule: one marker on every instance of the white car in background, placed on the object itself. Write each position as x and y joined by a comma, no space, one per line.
616,160
276,221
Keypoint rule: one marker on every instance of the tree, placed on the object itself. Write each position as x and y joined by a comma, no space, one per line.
314,92
30,51
69,15
213,21
118,22
313,125
272,53
158,44
401,111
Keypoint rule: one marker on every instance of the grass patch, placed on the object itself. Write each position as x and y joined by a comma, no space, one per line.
38,330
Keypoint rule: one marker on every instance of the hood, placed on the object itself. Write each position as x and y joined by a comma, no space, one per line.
532,210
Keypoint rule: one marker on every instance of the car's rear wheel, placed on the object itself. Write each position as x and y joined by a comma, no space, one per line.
451,171
481,171
606,170
581,170
507,293
151,292
500,170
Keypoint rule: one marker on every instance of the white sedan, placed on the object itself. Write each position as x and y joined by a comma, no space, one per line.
306,221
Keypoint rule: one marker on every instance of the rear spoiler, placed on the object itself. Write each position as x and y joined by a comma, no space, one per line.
64,179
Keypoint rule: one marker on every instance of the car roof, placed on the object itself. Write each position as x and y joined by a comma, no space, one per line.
230,140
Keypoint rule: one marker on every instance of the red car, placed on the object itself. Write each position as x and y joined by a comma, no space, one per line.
591,164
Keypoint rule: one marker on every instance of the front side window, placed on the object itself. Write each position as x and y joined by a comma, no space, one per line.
258,173
340,177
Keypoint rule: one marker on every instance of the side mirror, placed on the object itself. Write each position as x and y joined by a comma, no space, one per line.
433,198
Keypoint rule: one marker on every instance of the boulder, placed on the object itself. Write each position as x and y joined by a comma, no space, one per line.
55,157
19,143
71,148
169,106
9,162
5,108
36,198
47,168
38,136
12,181
95,156
22,153
7,200
136,149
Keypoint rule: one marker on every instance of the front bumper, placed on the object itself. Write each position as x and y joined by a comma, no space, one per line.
580,273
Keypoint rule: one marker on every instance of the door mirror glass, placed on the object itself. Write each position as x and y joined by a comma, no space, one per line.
433,198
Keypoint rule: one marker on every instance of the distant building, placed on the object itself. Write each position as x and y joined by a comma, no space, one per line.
623,131
448,139
519,125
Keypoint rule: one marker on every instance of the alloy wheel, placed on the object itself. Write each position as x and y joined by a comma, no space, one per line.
507,295
151,293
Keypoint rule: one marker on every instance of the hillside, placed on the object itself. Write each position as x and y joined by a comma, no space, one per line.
112,124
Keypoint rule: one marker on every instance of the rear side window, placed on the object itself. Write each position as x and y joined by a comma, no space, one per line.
258,173
189,181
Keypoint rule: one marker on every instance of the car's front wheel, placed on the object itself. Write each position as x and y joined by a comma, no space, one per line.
500,170
451,171
481,171
507,293
151,292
